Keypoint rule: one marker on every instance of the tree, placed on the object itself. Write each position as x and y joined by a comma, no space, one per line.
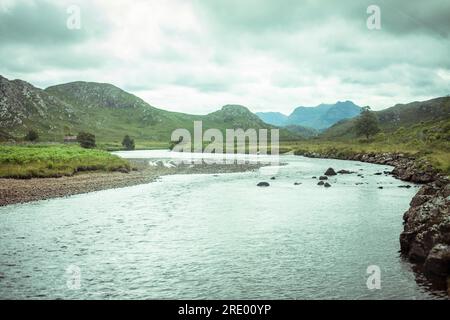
86,140
32,136
128,143
367,123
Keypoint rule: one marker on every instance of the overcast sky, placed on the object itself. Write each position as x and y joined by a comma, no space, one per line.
195,56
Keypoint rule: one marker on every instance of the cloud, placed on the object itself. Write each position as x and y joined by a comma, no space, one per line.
194,56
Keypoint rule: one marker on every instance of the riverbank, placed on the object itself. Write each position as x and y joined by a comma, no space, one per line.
426,235
13,191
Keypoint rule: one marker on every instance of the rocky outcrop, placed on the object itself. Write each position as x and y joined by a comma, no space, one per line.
330,172
426,235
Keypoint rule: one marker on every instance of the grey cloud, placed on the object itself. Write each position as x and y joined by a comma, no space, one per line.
43,23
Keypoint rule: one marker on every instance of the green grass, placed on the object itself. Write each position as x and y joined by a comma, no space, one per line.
29,161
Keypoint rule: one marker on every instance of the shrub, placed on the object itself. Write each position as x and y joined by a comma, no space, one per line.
32,136
128,143
86,140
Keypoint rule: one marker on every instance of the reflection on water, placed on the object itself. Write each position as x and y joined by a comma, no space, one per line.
215,236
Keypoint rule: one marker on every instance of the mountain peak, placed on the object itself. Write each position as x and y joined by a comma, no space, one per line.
319,117
235,108
95,94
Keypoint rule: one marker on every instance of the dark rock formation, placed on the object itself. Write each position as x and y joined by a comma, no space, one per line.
426,235
323,178
321,183
327,185
330,172
263,184
345,171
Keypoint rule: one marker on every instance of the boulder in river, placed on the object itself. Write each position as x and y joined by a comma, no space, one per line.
438,261
297,183
327,185
345,171
273,178
321,183
263,184
323,178
330,172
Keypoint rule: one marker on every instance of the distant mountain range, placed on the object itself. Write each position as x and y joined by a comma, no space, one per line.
105,110
319,118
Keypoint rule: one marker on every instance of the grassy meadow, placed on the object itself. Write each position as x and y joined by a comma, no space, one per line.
54,160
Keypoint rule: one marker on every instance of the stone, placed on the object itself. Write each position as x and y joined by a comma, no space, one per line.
438,261
345,172
263,184
330,172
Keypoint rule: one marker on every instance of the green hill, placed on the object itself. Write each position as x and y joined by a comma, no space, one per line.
107,111
302,131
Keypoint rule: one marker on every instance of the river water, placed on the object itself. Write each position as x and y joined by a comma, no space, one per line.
217,237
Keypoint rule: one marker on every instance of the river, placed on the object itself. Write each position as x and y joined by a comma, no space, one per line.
217,237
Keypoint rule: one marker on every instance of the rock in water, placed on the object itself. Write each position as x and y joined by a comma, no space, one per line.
263,184
323,178
321,183
438,261
273,178
327,185
343,171
330,172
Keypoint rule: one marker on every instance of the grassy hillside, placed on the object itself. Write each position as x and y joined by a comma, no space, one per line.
107,111
28,161
425,113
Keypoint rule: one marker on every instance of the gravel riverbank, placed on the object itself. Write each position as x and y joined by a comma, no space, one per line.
14,191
